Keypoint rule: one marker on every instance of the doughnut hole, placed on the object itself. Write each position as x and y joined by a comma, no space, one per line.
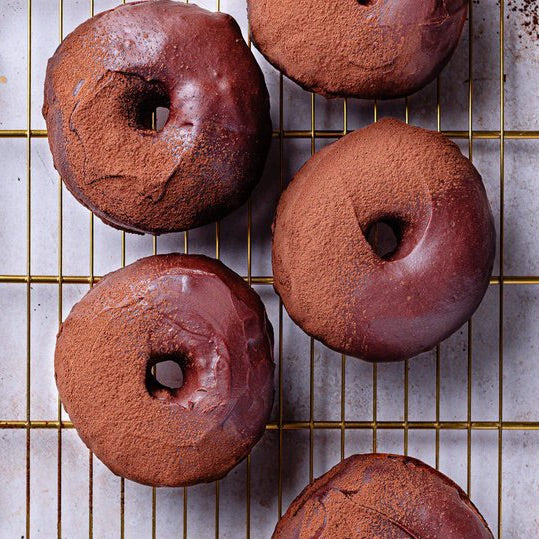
165,375
367,3
152,108
384,236
161,117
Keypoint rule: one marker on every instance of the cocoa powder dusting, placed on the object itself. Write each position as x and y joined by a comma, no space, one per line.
382,496
331,281
187,307
376,49
112,71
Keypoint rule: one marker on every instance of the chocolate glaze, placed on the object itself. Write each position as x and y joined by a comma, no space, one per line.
387,496
112,70
190,307
331,281
361,48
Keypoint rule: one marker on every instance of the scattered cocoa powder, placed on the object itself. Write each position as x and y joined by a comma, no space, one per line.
529,11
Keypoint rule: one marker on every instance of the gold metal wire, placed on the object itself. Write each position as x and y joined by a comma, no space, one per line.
92,282
334,425
334,134
406,363
280,425
60,308
280,328
469,324
501,267
254,279
28,257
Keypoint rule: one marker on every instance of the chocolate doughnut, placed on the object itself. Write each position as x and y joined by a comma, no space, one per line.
101,87
358,48
336,287
188,309
387,496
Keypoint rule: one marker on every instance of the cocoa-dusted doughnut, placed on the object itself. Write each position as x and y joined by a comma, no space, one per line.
102,84
188,309
361,48
331,280
386,496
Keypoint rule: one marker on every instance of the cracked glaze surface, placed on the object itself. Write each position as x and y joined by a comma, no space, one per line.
124,62
369,49
386,496
331,281
189,306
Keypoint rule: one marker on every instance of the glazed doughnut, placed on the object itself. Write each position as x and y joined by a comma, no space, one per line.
358,48
386,496
101,87
335,286
188,309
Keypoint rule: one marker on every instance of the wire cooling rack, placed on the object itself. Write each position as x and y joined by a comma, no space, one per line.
343,423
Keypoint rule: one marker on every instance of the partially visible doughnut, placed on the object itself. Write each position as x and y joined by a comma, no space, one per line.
382,496
358,48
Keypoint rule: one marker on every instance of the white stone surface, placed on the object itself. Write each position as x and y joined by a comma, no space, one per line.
520,473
